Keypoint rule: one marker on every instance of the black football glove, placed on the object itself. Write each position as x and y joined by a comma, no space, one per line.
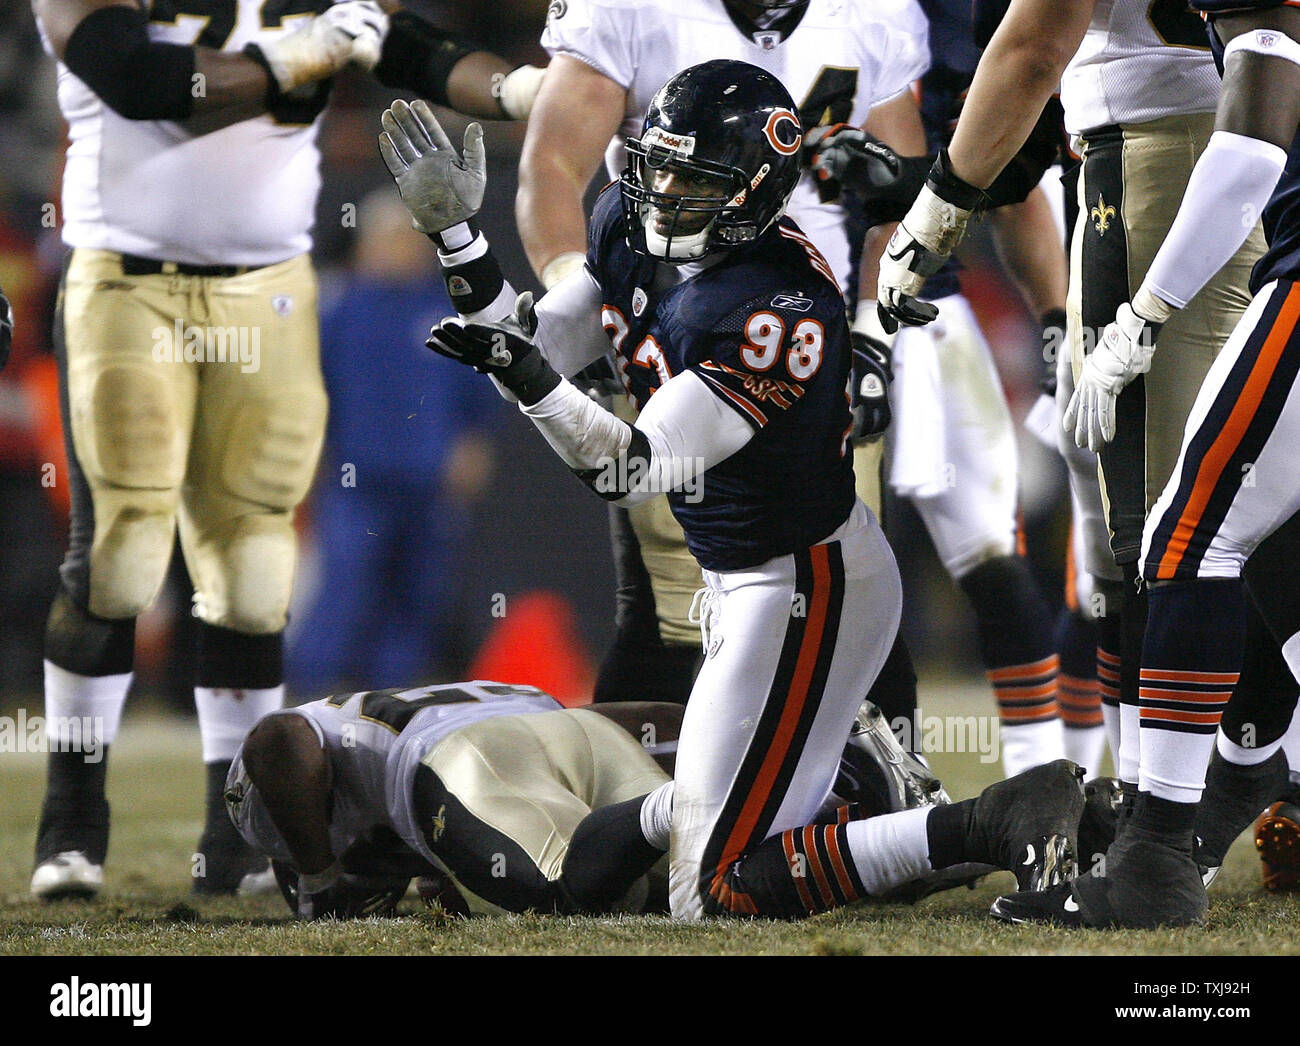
6,329
500,349
872,372
886,183
350,896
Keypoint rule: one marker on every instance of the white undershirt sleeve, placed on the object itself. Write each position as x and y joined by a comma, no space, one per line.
687,427
570,333
1229,186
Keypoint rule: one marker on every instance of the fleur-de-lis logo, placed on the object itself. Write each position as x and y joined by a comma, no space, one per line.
439,823
1101,215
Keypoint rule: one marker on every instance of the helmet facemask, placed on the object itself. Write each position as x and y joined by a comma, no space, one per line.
678,203
715,165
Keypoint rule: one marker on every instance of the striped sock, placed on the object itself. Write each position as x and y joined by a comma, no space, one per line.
1108,691
1080,705
1031,730
1026,693
1191,661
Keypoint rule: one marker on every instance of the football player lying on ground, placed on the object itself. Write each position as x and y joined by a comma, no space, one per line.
483,790
729,316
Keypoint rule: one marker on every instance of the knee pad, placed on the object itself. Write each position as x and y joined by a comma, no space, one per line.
135,438
243,574
131,551
78,641
272,448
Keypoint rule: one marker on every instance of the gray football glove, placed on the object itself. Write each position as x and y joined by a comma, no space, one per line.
437,186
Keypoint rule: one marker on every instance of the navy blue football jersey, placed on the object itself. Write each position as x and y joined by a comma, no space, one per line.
1281,217
764,328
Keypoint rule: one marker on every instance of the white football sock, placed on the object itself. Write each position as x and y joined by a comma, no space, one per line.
1291,744
1084,745
1031,744
1235,753
1130,743
226,715
657,816
1174,765
890,850
1110,723
88,708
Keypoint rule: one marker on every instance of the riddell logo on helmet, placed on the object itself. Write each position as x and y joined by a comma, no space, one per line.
783,124
681,144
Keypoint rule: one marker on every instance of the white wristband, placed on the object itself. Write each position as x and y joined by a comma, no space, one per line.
555,270
866,320
1266,42
517,91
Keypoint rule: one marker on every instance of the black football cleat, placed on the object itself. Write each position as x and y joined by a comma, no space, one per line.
1028,824
1151,882
1234,798
71,845
1277,840
1061,905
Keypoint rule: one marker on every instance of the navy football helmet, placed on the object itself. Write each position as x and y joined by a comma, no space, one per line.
716,162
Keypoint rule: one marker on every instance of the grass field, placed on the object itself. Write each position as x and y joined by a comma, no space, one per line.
155,787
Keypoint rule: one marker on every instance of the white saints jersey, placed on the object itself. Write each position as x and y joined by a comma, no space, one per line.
375,741
1140,60
844,58
241,195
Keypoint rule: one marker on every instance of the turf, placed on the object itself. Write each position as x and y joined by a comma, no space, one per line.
155,787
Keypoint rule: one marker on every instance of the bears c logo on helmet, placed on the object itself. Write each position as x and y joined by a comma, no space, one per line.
784,132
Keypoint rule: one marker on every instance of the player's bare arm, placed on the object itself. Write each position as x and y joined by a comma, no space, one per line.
1018,72
897,124
436,65
106,44
1029,246
1250,75
1232,181
576,114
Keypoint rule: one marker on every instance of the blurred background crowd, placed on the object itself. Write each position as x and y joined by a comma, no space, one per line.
443,540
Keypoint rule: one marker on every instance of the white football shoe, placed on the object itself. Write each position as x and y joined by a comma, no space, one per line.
65,875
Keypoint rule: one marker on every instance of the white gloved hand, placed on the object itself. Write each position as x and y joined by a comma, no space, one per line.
516,91
1127,345
437,186
352,31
